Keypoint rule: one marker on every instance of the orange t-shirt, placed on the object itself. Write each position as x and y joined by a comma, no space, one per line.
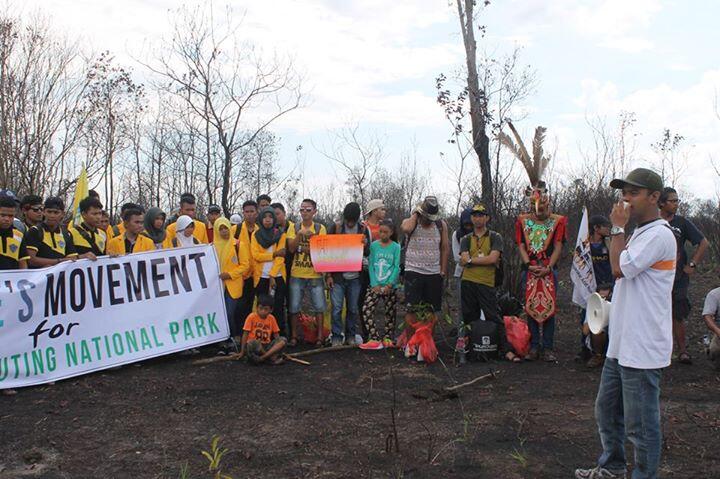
261,329
374,230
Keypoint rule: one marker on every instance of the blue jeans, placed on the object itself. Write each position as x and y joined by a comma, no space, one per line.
230,305
628,404
548,327
317,294
345,291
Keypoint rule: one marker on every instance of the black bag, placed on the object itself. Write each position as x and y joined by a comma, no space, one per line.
484,340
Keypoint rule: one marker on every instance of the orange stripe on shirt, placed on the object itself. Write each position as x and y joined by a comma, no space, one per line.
665,265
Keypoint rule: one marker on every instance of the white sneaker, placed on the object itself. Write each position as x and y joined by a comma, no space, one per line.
597,473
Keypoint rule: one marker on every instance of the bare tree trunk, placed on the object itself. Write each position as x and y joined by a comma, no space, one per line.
478,100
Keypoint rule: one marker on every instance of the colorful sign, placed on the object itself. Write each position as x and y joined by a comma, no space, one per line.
336,253
84,316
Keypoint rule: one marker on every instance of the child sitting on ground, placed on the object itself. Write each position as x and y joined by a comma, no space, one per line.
261,340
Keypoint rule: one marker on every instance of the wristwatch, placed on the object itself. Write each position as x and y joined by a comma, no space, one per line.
617,230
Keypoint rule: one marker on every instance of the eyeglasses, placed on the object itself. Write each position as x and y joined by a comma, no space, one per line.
37,209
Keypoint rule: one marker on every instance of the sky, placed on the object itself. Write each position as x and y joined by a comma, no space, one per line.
374,63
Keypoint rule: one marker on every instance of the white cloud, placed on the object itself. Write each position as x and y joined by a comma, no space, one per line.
688,111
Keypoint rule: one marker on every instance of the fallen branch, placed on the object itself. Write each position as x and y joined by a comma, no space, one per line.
217,359
322,350
296,360
491,375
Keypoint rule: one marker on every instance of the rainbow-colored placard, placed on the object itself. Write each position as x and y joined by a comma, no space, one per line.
336,253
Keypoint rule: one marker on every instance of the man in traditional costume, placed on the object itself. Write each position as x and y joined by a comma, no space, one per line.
540,235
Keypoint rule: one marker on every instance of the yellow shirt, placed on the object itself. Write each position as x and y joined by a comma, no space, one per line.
302,266
236,263
262,256
200,231
116,246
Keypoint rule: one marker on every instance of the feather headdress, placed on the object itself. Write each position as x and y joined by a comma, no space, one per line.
534,166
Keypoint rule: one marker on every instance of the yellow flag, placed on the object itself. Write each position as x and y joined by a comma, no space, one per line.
81,192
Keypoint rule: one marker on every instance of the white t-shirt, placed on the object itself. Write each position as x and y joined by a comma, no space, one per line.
640,325
267,266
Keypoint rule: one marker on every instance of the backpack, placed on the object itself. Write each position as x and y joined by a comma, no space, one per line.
406,242
484,340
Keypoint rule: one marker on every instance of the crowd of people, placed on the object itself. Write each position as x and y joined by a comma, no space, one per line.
266,268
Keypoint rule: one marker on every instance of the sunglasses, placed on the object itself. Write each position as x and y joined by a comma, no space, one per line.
306,210
37,209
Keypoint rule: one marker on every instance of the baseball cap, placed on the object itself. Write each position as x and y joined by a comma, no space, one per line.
479,208
4,193
236,219
214,209
640,177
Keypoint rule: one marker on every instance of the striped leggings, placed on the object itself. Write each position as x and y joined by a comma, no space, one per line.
368,311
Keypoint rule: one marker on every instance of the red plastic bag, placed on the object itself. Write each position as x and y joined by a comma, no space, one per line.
308,324
518,334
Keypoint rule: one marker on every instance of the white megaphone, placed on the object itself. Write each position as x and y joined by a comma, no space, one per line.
597,314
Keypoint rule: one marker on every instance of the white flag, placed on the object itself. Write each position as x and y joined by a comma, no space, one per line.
581,272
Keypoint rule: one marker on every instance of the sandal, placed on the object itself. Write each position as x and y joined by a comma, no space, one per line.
685,358
512,357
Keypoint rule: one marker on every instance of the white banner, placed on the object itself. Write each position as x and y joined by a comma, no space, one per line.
84,316
581,271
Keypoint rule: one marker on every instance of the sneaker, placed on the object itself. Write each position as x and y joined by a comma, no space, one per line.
372,345
597,473
336,342
583,356
533,355
596,361
387,343
351,341
549,356
461,345
8,392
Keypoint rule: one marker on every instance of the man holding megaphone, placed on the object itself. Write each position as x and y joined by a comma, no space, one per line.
640,325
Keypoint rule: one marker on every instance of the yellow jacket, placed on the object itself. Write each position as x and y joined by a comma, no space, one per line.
110,231
236,263
116,246
244,237
261,256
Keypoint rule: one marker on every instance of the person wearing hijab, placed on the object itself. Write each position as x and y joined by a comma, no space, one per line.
155,226
267,249
465,228
234,261
184,228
